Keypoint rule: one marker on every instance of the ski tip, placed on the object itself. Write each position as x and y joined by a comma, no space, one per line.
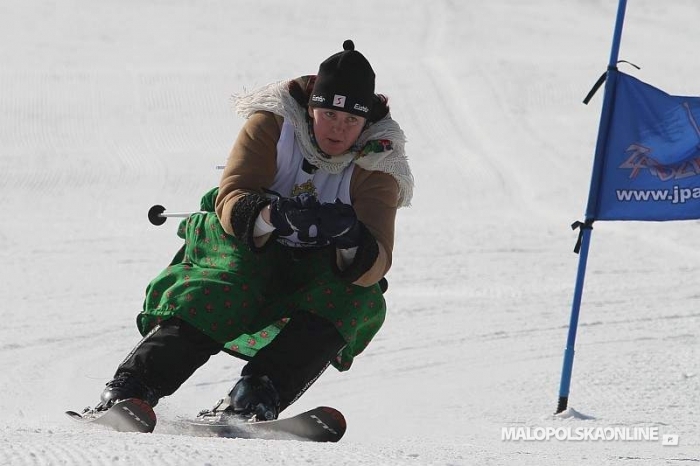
332,421
336,415
137,412
129,415
142,405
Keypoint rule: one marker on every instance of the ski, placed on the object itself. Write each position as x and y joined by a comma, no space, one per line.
321,424
130,415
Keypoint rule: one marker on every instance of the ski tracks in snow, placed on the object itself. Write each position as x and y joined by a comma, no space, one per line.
446,128
59,126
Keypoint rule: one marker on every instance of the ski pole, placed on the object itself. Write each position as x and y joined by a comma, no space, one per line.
157,214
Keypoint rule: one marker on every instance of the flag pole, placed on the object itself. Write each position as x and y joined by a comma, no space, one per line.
591,208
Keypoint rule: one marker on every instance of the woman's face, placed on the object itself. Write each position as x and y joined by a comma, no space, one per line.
335,131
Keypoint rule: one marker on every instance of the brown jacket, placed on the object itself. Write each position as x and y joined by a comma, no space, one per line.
252,165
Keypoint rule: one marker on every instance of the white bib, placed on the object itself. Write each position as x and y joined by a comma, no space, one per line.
291,179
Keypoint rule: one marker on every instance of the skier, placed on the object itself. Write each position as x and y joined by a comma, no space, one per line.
282,267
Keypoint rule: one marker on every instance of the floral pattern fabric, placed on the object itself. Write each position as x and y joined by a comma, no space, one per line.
243,299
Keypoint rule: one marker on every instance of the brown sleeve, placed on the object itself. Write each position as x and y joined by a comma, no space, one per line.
251,166
375,198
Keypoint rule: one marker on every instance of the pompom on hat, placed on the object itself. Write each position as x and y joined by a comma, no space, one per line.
345,82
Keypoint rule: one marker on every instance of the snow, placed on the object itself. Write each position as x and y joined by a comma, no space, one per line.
110,107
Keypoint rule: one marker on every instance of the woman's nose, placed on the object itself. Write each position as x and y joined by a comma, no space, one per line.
338,126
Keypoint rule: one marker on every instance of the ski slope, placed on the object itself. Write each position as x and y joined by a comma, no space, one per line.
107,108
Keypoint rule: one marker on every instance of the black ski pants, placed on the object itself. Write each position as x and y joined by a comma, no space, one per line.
168,355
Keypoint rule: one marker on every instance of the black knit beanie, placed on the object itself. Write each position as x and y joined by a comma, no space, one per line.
345,82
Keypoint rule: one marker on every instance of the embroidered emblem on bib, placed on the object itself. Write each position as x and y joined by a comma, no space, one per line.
307,187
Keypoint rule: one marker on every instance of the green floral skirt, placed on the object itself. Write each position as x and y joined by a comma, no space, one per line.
243,299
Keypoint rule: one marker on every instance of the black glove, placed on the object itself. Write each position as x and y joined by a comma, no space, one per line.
338,222
300,214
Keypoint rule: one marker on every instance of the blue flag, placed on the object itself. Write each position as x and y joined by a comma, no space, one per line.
651,167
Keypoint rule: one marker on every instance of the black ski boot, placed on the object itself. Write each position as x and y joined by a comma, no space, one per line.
298,356
255,395
126,385
252,398
281,371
